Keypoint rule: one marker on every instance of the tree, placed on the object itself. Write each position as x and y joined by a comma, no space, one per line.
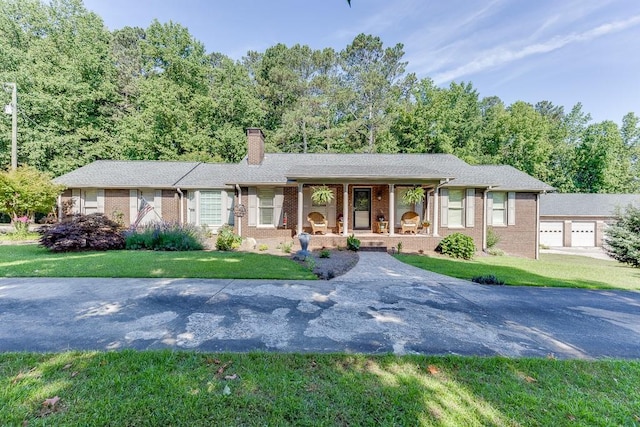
622,239
27,191
603,161
375,80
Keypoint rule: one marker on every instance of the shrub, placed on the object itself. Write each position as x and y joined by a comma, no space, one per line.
495,251
399,246
622,239
164,237
353,244
285,247
263,247
227,240
325,253
93,232
492,238
457,245
487,280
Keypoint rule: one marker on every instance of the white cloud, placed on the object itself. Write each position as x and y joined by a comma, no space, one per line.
502,56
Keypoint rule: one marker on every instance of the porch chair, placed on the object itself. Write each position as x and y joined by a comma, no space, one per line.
318,223
409,222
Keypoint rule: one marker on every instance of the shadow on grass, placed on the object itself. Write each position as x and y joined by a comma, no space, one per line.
188,388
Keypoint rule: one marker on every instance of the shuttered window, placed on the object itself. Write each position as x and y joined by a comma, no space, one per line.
499,208
210,207
266,206
456,208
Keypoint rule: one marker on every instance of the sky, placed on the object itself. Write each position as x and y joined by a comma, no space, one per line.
563,51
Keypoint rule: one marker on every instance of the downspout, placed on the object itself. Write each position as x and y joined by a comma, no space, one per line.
239,190
181,205
59,207
538,225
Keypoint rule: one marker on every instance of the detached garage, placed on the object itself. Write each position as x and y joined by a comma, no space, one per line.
579,220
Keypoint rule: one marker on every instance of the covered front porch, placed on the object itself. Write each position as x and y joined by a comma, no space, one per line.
368,209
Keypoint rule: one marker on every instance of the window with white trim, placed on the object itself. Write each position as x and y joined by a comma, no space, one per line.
266,205
211,208
90,201
455,212
499,208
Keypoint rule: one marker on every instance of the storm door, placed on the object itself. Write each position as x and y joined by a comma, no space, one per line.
361,208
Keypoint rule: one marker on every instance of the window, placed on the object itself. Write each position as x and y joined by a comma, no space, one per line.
499,209
265,206
210,207
90,201
455,211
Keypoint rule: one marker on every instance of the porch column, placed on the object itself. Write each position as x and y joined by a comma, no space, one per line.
345,209
300,209
392,210
436,210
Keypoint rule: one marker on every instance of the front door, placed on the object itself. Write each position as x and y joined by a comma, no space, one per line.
361,208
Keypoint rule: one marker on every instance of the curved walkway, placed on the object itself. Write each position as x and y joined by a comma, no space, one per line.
380,266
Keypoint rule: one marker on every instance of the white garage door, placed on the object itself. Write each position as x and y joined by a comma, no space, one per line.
583,234
551,233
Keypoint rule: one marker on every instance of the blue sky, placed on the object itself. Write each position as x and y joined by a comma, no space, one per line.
564,51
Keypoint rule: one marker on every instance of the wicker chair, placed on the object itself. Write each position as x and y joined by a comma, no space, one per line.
409,222
318,223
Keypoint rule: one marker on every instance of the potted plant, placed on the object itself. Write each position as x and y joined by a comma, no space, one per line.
321,195
413,196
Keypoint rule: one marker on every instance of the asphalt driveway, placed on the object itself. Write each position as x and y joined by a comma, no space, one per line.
377,308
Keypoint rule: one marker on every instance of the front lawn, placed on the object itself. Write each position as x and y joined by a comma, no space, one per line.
551,270
35,261
166,388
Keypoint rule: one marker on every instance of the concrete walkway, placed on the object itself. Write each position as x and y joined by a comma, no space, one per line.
381,306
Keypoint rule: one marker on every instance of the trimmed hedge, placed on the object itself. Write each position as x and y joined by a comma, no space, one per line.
93,232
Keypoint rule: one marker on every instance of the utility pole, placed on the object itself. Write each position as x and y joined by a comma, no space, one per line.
13,110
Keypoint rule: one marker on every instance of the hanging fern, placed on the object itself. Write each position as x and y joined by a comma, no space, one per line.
413,196
321,195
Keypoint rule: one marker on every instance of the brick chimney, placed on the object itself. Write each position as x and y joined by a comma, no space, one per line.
255,146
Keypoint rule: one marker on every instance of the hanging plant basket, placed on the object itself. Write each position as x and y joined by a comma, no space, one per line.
321,195
413,196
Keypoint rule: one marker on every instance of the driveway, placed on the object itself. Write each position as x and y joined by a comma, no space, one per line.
382,306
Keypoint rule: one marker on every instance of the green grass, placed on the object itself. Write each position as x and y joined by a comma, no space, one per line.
551,270
187,389
35,261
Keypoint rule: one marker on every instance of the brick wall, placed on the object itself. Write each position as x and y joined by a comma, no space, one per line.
117,200
170,206
520,239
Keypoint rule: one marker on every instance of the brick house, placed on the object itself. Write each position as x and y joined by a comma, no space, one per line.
268,195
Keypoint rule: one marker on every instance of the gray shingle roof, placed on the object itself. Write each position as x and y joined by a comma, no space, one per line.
280,169
576,204
127,174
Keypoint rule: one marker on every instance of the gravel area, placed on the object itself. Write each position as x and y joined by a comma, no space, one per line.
338,262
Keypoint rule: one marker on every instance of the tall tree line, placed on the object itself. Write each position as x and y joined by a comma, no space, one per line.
154,93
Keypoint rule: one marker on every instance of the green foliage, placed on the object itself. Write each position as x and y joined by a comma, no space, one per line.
325,253
93,232
164,237
622,239
26,191
413,196
263,247
227,240
399,247
492,238
457,245
321,195
488,279
286,247
353,244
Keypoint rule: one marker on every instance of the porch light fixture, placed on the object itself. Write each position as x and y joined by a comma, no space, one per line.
379,196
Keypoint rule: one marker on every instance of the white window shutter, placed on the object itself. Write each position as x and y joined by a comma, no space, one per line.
133,205
157,204
277,208
253,207
75,197
490,209
444,207
511,209
470,207
230,204
101,201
